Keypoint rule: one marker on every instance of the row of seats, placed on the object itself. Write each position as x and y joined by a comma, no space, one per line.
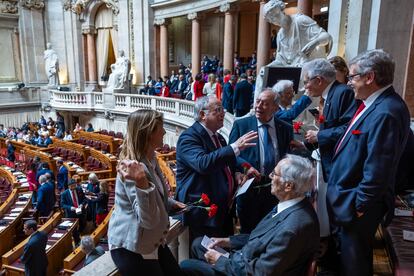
112,133
98,145
93,164
68,154
165,149
5,189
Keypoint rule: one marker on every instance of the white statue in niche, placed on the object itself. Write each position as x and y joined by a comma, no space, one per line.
120,70
51,65
299,40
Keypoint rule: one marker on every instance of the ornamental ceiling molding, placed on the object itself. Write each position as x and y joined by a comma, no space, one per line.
9,6
79,6
33,4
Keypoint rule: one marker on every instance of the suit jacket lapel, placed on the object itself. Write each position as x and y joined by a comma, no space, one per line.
279,137
361,119
253,126
205,136
327,104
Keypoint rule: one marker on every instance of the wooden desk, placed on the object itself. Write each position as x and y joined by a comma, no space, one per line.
16,200
113,144
57,248
83,150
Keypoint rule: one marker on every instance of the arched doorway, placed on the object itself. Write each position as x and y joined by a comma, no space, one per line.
106,43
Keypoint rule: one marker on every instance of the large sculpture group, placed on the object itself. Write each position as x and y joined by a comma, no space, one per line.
300,39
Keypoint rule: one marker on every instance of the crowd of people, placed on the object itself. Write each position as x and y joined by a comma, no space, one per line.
363,129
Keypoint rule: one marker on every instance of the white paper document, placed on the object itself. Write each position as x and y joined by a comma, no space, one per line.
14,214
408,235
2,227
9,218
17,209
242,189
66,223
47,246
57,235
402,213
206,241
21,202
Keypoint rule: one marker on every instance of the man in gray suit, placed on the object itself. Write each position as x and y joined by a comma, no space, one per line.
283,243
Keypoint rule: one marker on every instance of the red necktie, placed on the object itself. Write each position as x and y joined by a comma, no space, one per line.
226,170
75,201
360,108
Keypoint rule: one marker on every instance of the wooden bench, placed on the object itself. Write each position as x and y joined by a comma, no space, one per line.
168,173
112,142
57,247
82,150
11,214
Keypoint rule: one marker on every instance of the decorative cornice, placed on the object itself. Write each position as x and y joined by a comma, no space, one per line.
8,6
33,4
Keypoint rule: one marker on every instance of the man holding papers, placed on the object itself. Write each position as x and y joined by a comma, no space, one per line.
258,161
283,243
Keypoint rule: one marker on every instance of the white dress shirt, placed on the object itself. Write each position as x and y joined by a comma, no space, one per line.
286,204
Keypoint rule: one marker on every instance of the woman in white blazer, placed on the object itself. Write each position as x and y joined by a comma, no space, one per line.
139,224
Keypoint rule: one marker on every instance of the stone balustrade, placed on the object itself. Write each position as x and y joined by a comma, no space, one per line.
177,112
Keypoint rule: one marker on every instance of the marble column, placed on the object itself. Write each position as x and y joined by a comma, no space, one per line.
90,41
305,7
409,81
263,40
195,43
164,62
228,50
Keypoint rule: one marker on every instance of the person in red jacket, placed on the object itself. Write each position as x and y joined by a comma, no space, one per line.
165,91
198,87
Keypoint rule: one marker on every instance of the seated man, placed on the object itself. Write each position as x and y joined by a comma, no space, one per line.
283,243
285,89
92,253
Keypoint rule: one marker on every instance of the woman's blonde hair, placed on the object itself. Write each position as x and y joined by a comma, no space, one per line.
140,125
103,186
211,77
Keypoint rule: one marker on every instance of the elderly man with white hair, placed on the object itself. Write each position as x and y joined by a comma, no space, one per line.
87,245
283,243
285,90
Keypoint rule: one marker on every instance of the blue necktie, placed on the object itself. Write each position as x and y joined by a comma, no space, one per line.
269,151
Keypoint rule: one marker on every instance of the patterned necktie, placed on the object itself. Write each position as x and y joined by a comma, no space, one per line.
226,170
269,151
75,201
359,110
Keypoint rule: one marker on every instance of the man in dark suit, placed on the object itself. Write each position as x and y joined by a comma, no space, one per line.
72,202
284,242
228,91
181,86
361,183
204,165
272,145
243,95
45,197
338,106
34,255
285,90
62,176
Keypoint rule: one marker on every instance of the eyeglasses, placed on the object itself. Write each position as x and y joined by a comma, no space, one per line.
218,109
273,174
305,82
351,77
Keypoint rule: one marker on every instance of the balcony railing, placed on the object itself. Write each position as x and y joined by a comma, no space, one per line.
176,111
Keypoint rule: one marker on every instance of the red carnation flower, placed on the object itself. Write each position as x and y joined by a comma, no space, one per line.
356,132
212,210
297,126
321,119
205,199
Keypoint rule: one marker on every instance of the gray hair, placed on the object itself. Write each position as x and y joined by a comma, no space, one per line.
201,104
48,176
43,178
300,171
93,178
320,67
282,85
87,244
277,96
377,61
